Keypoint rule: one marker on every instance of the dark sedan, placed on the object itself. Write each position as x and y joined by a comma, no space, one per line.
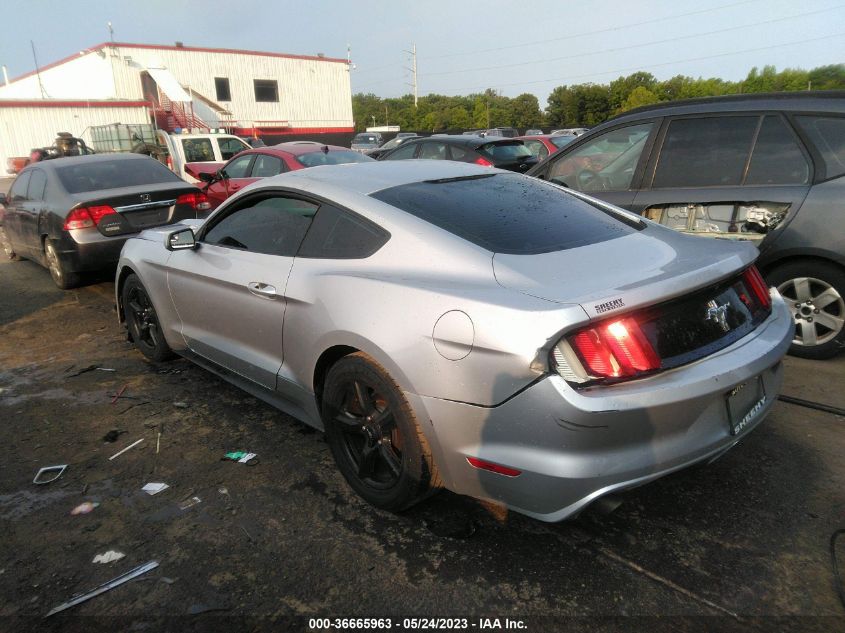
504,153
73,215
379,152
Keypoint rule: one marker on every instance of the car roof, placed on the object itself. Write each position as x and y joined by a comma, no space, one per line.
466,139
64,161
822,100
369,177
536,136
296,148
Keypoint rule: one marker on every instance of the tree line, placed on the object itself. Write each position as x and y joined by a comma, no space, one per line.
579,105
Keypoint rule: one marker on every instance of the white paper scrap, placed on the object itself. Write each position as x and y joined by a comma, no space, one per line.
154,489
108,557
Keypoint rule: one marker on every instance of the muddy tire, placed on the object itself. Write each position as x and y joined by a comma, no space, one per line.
814,291
374,435
62,277
142,321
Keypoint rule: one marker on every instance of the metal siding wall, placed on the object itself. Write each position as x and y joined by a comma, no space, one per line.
21,129
311,93
88,76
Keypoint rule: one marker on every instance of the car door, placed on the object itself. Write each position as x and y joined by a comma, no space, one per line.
15,207
31,210
230,291
734,175
234,175
607,165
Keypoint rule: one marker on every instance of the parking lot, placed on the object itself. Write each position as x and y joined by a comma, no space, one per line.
744,539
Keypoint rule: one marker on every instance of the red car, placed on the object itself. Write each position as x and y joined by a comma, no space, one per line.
261,162
542,145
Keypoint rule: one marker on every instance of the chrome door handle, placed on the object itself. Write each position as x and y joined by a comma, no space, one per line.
262,290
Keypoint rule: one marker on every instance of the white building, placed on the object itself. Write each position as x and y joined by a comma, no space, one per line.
247,92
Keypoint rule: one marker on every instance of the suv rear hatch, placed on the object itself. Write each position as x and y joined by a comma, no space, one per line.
507,154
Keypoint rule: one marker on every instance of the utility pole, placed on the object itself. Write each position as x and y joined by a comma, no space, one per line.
413,69
37,70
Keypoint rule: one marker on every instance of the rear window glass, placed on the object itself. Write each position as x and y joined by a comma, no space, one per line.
777,159
365,138
828,135
336,234
198,150
505,151
337,157
98,175
707,152
507,213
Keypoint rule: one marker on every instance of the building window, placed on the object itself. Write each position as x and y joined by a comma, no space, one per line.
266,90
221,85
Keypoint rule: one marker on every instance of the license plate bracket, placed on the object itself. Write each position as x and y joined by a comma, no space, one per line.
744,403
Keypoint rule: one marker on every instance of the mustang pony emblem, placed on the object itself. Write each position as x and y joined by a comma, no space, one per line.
145,197
718,314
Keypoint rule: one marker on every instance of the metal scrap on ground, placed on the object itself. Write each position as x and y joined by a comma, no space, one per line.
111,584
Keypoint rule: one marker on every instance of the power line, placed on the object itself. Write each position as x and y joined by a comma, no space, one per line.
586,33
624,48
575,35
678,61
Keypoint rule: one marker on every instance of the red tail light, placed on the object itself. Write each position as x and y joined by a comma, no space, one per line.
615,349
754,282
87,217
483,161
198,201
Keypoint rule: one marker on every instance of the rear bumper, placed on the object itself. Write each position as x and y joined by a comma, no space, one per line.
575,446
85,250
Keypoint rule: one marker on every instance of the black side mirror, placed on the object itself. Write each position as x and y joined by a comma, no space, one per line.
206,177
2,198
180,240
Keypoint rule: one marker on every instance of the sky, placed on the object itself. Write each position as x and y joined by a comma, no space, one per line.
463,46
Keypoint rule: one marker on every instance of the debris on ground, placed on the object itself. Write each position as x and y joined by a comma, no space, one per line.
108,557
122,451
180,405
154,488
84,508
104,369
111,584
84,370
49,469
111,436
189,503
118,395
242,457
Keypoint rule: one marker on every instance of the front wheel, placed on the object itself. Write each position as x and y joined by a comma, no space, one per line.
8,251
374,435
814,292
142,321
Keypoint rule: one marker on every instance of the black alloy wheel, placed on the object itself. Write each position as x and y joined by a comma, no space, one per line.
374,436
142,321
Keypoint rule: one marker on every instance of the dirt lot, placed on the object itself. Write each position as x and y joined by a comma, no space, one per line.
743,542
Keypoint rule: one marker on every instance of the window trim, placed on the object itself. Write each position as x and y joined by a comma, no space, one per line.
228,89
255,92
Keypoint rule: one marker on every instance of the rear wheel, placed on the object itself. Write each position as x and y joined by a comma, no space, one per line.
63,278
374,435
815,294
142,321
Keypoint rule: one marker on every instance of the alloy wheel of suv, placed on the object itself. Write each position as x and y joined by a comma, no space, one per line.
814,294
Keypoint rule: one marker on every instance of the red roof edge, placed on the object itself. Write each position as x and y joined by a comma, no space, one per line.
78,103
235,51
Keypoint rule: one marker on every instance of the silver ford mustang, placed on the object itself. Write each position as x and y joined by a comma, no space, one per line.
451,325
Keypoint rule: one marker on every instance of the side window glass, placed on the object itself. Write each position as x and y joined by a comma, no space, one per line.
777,158
238,168
828,135
435,151
273,226
707,152
336,234
266,165
404,152
605,163
18,191
37,185
457,153
229,147
198,150
537,149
